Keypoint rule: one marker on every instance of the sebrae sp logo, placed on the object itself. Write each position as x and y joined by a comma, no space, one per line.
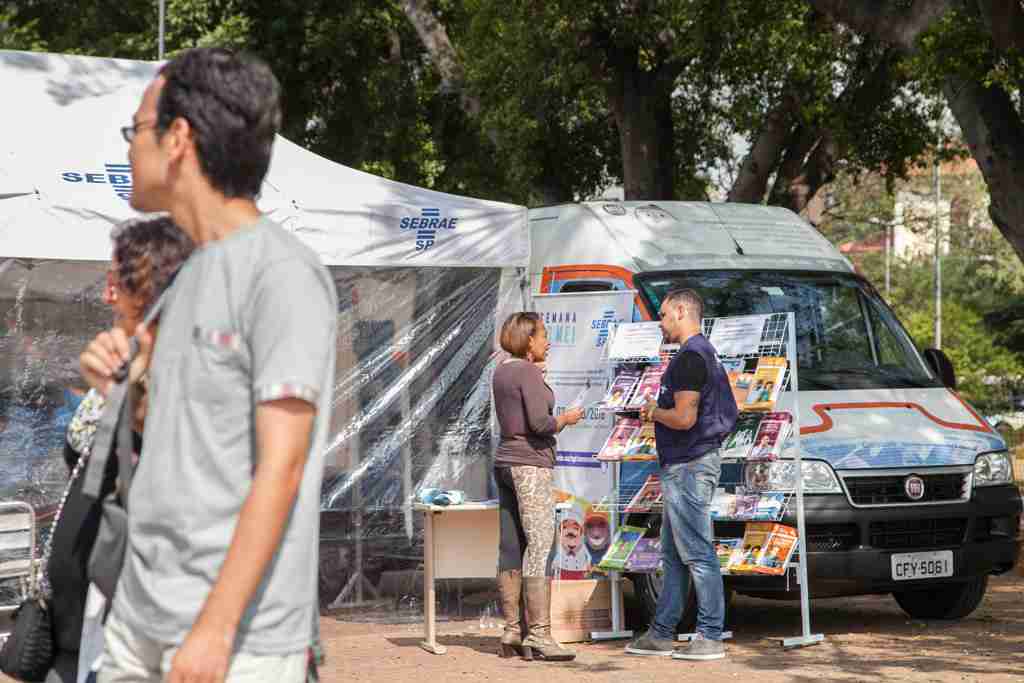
118,176
426,226
601,325
561,328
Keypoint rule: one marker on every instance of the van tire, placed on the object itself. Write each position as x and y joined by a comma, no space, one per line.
647,588
943,601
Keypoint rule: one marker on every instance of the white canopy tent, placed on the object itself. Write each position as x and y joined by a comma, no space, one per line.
65,180
422,277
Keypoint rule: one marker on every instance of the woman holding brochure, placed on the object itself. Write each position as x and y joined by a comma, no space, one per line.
523,467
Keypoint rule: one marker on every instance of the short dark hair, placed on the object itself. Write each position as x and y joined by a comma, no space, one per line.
688,297
516,332
233,104
148,252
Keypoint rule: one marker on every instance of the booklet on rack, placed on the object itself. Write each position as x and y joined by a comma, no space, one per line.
767,384
745,559
782,544
621,548
647,389
615,445
648,497
769,506
771,436
642,445
759,506
724,549
737,444
646,556
620,390
723,505
740,384
766,549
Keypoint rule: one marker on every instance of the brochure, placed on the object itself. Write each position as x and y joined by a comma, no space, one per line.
615,445
737,444
776,555
621,548
746,504
755,538
642,444
757,506
724,548
648,497
741,383
646,556
723,505
620,390
768,379
771,436
647,389
766,549
769,506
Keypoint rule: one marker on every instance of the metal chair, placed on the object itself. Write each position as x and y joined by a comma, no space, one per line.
17,552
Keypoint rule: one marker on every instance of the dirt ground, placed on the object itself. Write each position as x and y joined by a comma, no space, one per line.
867,638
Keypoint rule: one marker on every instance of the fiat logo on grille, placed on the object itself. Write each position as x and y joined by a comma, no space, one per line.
914,487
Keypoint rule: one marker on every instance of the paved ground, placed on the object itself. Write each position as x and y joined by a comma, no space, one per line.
866,639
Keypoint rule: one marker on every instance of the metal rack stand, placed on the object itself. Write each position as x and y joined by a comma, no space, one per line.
778,338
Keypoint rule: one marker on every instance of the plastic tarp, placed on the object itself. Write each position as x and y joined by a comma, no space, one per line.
415,335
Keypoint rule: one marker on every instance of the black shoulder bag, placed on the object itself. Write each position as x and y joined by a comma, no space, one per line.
30,649
114,431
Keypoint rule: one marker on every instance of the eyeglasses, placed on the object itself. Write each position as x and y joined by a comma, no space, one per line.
129,132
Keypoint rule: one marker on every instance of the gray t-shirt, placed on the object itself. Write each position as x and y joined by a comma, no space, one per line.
250,318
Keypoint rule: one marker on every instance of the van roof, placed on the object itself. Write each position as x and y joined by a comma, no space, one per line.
661,235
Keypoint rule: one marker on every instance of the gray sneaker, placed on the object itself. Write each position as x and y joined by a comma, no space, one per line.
700,649
650,645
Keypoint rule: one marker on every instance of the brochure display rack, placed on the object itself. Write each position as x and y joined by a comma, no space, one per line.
759,354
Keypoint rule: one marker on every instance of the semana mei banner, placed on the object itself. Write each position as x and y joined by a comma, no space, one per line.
577,371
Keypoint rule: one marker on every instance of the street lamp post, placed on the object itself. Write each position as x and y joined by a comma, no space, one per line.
938,259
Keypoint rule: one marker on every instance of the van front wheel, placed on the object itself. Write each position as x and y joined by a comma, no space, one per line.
943,601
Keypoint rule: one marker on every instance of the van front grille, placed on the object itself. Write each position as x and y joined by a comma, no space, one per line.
890,489
917,533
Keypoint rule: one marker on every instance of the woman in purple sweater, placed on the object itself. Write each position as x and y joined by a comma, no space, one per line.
523,468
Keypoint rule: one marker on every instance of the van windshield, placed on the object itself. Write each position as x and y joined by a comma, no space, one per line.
846,337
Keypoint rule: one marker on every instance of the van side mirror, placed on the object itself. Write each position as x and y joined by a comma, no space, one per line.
942,366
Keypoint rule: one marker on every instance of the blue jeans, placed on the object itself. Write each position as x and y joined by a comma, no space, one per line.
688,549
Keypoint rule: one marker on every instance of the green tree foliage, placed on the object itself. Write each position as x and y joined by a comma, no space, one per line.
979,361
981,274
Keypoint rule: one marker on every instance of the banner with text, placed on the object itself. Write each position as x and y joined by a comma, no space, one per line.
577,326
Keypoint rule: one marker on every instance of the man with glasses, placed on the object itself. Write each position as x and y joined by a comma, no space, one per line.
694,412
219,579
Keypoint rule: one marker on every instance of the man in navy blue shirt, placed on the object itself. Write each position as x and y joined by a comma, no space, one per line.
694,412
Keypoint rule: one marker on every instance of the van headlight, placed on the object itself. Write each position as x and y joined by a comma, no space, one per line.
779,475
991,469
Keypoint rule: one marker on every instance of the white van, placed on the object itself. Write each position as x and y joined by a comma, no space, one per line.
909,490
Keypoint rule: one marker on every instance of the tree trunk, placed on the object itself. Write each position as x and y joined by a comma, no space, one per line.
442,53
995,135
751,183
790,188
641,102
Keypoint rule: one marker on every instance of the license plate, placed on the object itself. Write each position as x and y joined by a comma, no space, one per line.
915,566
